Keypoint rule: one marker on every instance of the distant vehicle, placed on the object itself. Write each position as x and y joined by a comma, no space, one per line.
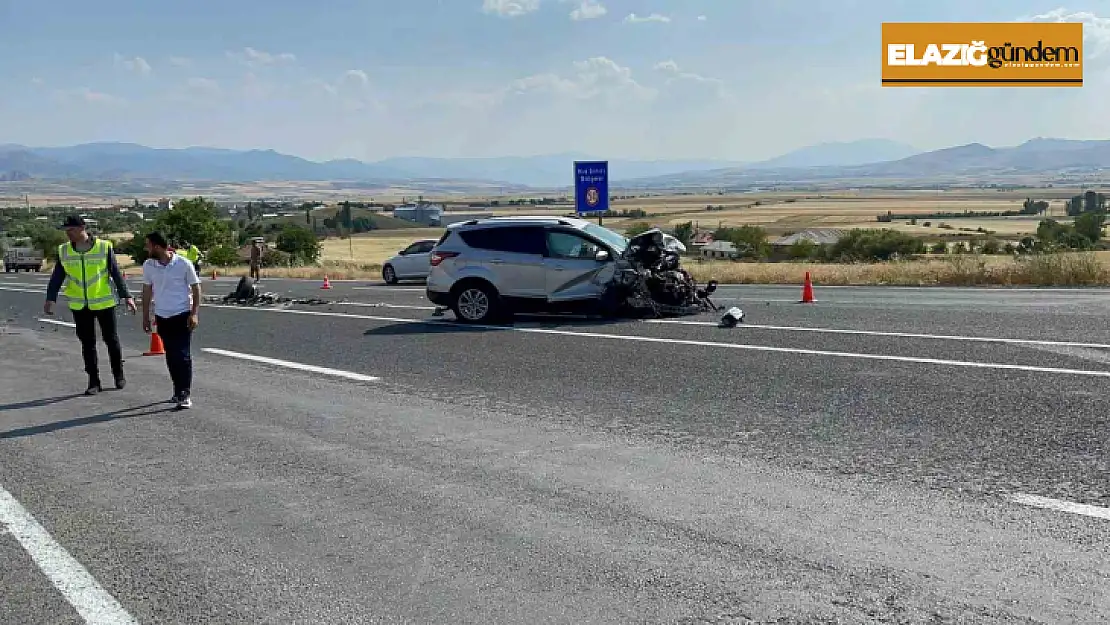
411,263
481,268
22,259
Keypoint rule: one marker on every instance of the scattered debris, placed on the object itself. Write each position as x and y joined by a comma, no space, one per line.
650,280
732,317
246,294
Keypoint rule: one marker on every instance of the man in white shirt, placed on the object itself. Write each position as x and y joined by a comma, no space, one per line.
170,280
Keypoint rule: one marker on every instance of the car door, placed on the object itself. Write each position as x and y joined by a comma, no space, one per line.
571,266
512,257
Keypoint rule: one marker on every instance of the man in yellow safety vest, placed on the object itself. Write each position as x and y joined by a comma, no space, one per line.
87,268
192,254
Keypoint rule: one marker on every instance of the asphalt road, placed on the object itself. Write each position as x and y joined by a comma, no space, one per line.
869,458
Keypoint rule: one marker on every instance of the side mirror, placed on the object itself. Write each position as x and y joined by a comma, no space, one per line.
402,252
601,256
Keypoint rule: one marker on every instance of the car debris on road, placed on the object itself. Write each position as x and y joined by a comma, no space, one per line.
246,293
649,280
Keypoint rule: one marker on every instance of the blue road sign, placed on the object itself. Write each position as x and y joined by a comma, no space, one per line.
591,186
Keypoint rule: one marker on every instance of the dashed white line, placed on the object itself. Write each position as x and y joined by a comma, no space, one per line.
57,322
339,373
712,344
79,588
1060,505
911,335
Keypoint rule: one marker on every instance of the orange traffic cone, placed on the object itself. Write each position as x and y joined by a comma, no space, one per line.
156,347
327,283
807,291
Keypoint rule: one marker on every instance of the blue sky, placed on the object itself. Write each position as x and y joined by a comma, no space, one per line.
368,79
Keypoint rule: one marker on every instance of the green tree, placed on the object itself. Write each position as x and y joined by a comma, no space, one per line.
47,240
684,232
195,220
299,242
1089,225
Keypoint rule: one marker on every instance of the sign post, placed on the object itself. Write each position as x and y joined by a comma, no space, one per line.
591,187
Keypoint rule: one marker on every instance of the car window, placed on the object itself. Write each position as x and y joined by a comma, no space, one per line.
514,239
561,244
421,248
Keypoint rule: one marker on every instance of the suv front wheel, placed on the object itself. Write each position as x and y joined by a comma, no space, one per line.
475,302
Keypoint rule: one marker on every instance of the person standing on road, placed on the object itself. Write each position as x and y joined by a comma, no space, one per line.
256,261
170,280
192,253
87,268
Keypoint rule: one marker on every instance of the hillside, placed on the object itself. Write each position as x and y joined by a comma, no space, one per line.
131,162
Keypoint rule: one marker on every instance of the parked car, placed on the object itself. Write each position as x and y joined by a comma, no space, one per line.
411,263
483,268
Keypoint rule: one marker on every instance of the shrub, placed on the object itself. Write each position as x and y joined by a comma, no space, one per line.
223,256
276,258
866,245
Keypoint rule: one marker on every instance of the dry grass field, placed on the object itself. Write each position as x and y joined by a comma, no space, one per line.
1080,269
778,212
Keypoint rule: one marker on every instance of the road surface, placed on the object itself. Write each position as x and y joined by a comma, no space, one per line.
885,455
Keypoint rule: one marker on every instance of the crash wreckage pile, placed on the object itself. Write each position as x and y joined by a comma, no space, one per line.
650,281
246,293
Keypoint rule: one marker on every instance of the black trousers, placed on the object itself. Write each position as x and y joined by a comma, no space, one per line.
177,339
86,321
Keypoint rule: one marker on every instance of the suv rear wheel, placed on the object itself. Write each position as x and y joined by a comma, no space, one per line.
475,302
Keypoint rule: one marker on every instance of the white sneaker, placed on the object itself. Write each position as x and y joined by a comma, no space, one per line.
185,402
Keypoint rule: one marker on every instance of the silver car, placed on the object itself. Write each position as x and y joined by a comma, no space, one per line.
484,268
410,263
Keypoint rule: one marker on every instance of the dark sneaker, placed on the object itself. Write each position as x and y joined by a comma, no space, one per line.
184,401
121,382
94,387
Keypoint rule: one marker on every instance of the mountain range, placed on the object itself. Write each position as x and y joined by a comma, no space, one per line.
129,161
863,159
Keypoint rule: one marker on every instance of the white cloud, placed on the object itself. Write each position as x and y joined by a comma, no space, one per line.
702,18
254,58
1096,30
352,91
137,64
654,17
510,8
37,81
588,10
89,96
593,77
688,81
203,85
180,61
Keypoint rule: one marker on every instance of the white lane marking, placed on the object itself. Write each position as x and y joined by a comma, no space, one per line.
672,341
1060,505
12,287
57,322
951,289
79,588
339,373
909,335
387,288
382,305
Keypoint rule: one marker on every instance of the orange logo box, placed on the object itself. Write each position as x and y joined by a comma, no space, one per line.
962,54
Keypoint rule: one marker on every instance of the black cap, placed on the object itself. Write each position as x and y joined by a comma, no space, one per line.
73,221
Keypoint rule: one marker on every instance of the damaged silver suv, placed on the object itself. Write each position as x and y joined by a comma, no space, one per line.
483,269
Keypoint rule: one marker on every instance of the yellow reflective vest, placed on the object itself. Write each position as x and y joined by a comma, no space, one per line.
192,254
88,284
